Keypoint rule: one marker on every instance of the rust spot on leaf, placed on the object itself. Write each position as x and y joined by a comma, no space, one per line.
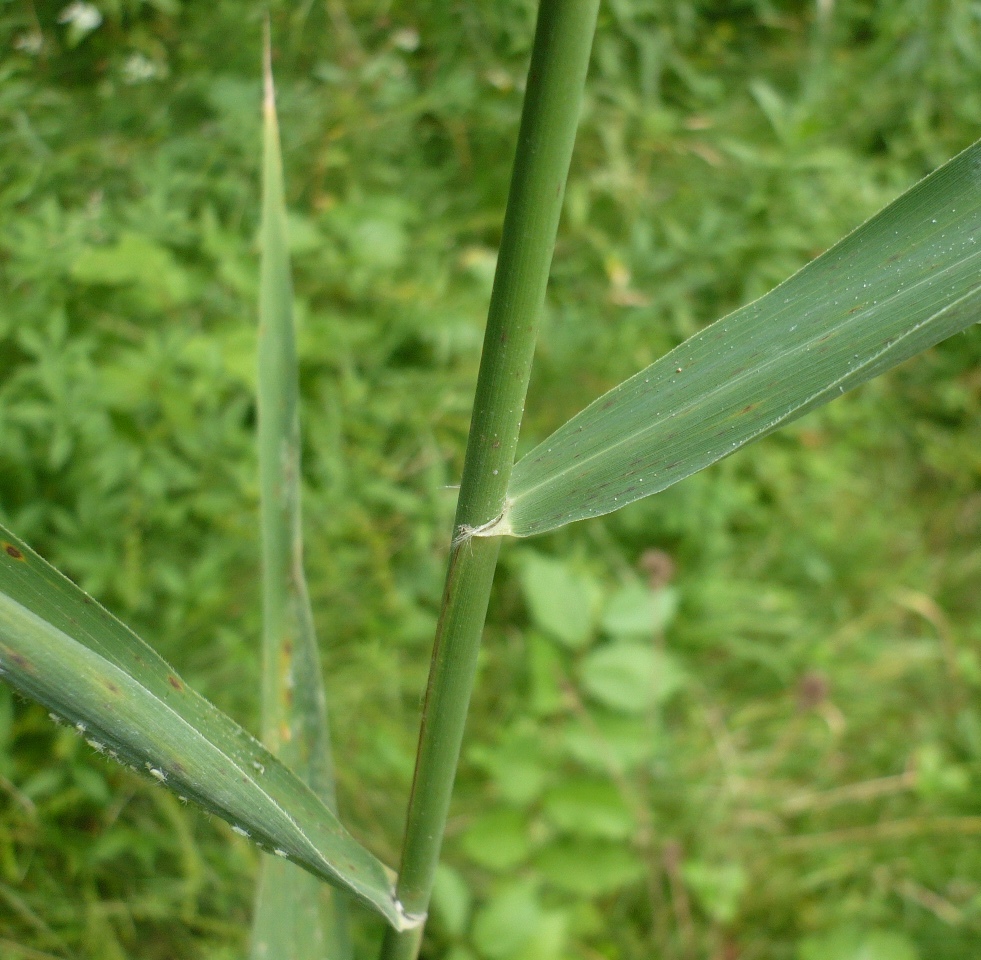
174,682
20,660
12,551
111,687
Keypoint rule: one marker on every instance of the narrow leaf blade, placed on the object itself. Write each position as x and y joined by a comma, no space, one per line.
62,649
905,280
292,922
295,918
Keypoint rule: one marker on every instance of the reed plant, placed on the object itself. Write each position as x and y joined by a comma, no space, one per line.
905,280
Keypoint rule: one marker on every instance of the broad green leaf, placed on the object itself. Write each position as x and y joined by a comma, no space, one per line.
498,840
631,677
508,921
719,888
137,261
549,941
59,647
637,610
589,867
589,807
611,740
295,918
562,602
907,279
517,764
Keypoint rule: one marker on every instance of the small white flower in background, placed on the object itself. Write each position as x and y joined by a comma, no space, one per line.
81,17
499,79
406,39
30,43
139,68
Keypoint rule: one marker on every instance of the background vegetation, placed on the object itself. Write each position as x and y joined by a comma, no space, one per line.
737,720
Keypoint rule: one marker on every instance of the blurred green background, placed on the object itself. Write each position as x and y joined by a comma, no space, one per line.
737,721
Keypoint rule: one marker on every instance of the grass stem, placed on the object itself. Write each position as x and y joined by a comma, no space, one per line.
560,57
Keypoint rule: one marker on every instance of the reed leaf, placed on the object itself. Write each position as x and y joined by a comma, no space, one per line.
296,918
905,280
62,649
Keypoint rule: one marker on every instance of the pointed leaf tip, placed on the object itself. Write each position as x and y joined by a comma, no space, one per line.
269,91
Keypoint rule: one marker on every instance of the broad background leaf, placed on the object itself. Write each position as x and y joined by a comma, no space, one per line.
562,602
905,280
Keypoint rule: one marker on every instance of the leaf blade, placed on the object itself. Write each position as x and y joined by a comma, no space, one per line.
62,649
295,917
902,282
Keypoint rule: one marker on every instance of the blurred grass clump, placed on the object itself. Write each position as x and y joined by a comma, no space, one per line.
738,720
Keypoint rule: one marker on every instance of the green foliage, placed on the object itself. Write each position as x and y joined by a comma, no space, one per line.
901,283
562,602
295,917
63,650
851,944
825,583
718,889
